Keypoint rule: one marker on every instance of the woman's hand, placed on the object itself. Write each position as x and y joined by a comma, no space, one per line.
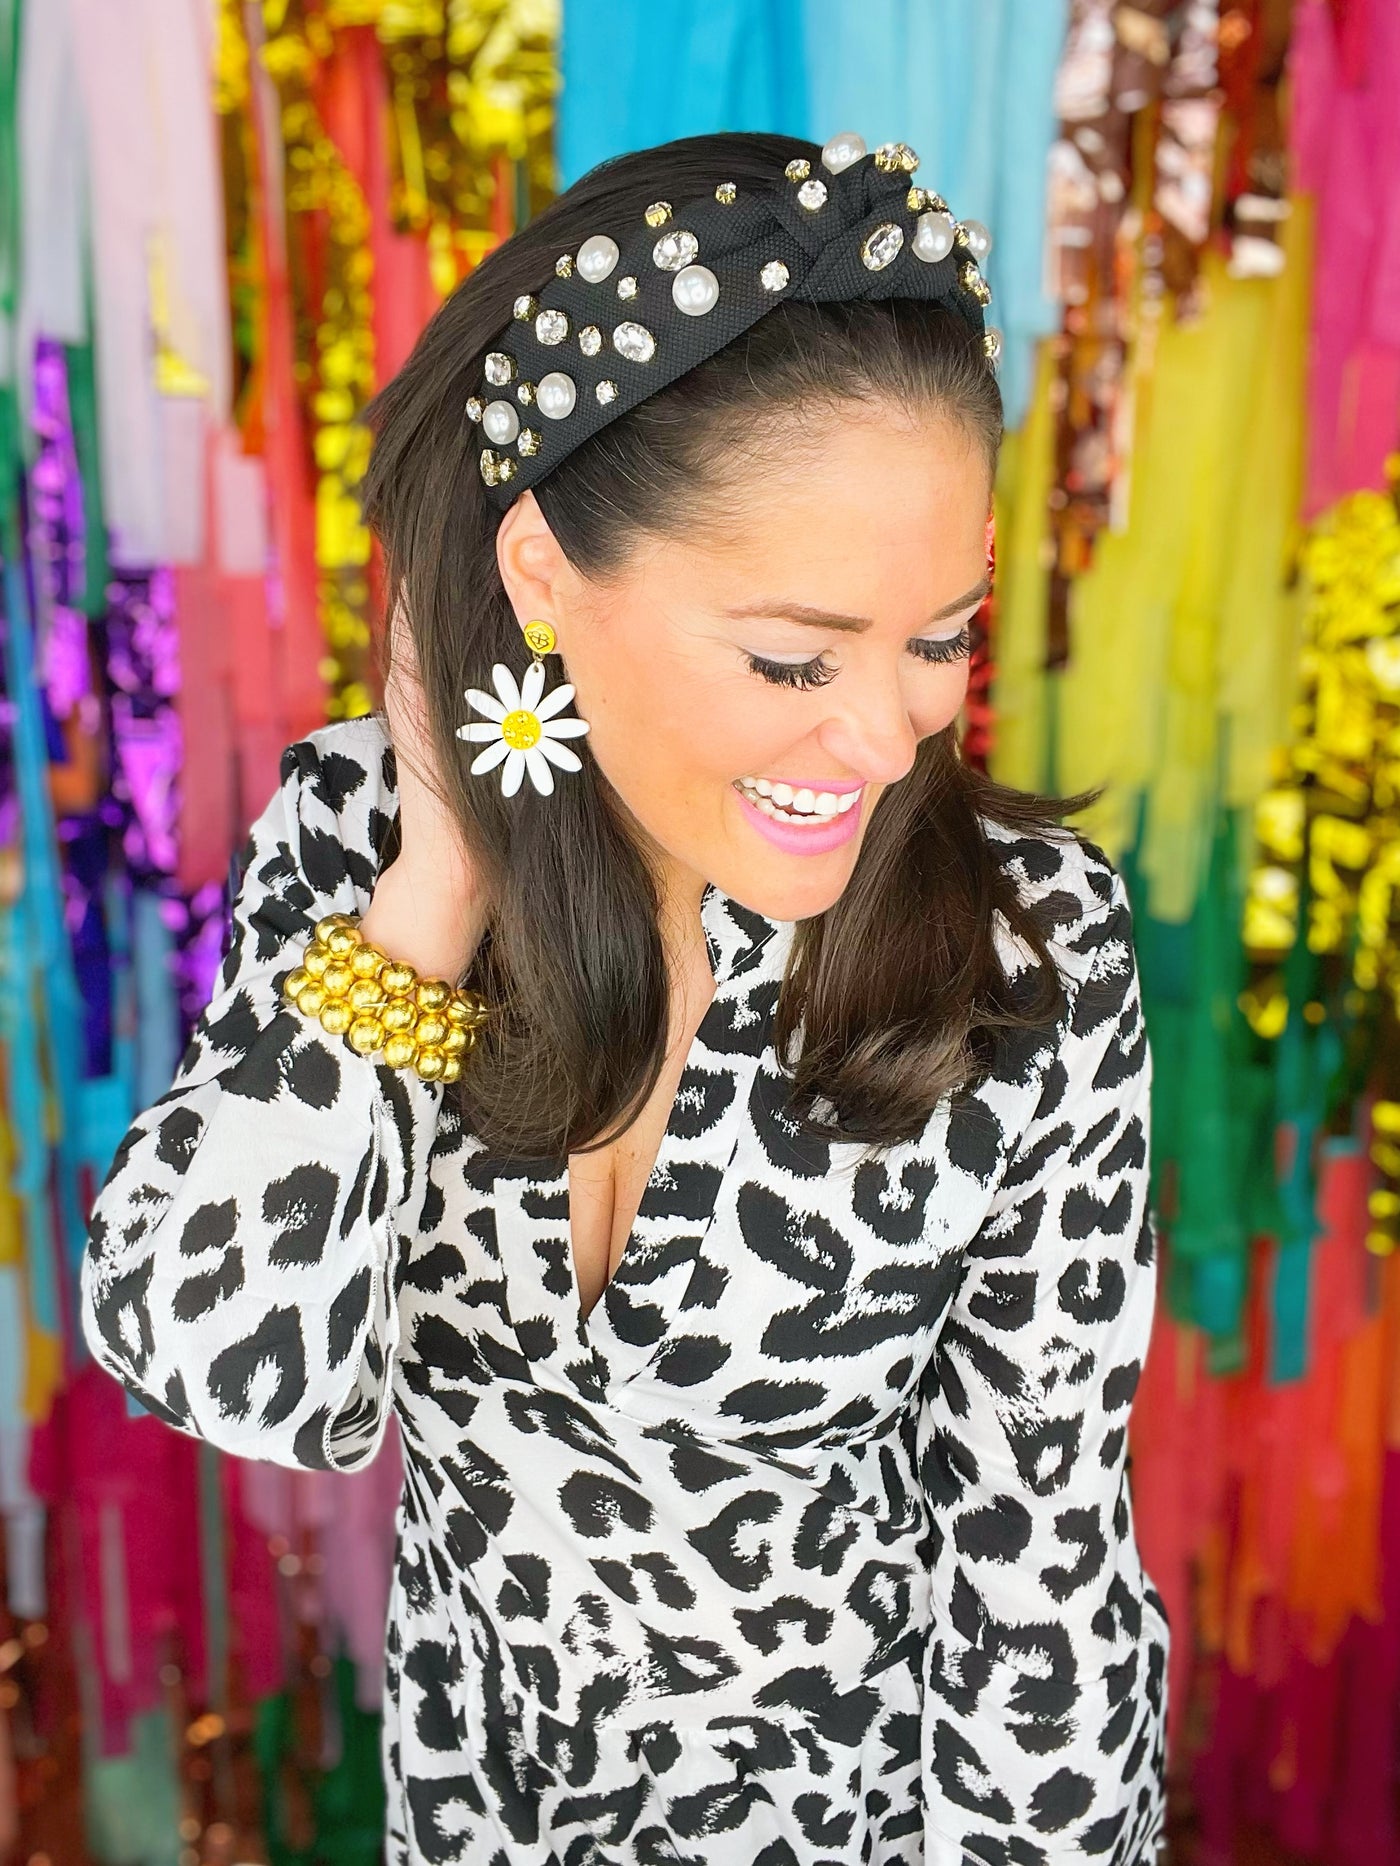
427,907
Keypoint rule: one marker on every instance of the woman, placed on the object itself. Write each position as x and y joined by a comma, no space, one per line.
761,1280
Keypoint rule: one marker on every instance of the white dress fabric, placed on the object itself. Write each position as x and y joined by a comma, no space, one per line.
812,1544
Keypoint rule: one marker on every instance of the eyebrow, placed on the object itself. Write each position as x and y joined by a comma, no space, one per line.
823,618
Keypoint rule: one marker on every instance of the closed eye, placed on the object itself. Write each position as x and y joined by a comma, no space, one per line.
941,649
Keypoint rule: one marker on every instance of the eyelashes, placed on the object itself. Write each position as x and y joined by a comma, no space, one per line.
817,672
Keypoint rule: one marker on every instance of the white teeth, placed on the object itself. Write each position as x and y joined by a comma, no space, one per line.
803,806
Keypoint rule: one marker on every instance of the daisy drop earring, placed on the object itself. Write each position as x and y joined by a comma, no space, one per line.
520,731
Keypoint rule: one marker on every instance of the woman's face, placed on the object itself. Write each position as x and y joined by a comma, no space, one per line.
755,684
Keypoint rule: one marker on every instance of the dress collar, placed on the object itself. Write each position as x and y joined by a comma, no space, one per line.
735,935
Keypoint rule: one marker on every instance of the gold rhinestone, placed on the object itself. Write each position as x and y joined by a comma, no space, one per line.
893,158
960,235
506,468
525,306
366,1034
526,394
527,441
658,213
627,287
475,408
490,472
336,1017
539,639
726,193
798,169
400,1050
564,266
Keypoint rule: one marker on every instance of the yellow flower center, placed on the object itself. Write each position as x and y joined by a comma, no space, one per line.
520,730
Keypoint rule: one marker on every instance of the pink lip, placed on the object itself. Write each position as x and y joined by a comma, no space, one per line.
797,838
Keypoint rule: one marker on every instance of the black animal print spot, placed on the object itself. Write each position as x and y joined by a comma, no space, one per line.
301,1206
275,1344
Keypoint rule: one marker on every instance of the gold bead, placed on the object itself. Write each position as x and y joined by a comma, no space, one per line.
311,999
341,940
400,1049
458,1011
431,1028
452,1069
400,1014
295,982
431,1064
365,995
316,959
367,961
433,993
366,1034
337,1017
337,978
326,925
398,978
457,1041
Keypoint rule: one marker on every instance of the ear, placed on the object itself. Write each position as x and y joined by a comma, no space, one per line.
533,568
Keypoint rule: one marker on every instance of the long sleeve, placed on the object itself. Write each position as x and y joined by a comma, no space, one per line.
1045,1694
238,1276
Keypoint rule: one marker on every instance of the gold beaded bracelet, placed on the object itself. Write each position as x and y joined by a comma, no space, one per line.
356,991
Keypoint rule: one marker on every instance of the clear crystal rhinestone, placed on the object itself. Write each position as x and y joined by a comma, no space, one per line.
798,169
551,326
525,394
880,247
525,306
590,340
500,368
972,281
606,392
564,266
726,194
774,276
894,157
991,342
490,471
627,287
506,467
674,250
635,342
529,441
812,194
475,405
658,213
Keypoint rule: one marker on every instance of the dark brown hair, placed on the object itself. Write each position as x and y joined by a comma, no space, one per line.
897,987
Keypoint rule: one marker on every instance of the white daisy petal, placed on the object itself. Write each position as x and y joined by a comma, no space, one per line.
480,730
532,686
560,755
505,685
555,702
563,728
490,758
540,774
513,773
486,703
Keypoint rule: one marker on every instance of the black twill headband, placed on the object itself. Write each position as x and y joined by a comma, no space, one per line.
620,321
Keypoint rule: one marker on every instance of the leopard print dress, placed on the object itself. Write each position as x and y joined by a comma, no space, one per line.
812,1543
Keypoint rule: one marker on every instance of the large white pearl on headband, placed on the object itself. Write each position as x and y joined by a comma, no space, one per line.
842,151
555,395
933,237
500,423
596,258
695,290
979,239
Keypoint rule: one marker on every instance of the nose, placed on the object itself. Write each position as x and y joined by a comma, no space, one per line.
872,734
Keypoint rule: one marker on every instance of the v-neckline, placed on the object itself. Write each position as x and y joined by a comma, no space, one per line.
627,1324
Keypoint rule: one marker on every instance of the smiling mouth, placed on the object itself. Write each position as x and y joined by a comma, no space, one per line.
786,805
